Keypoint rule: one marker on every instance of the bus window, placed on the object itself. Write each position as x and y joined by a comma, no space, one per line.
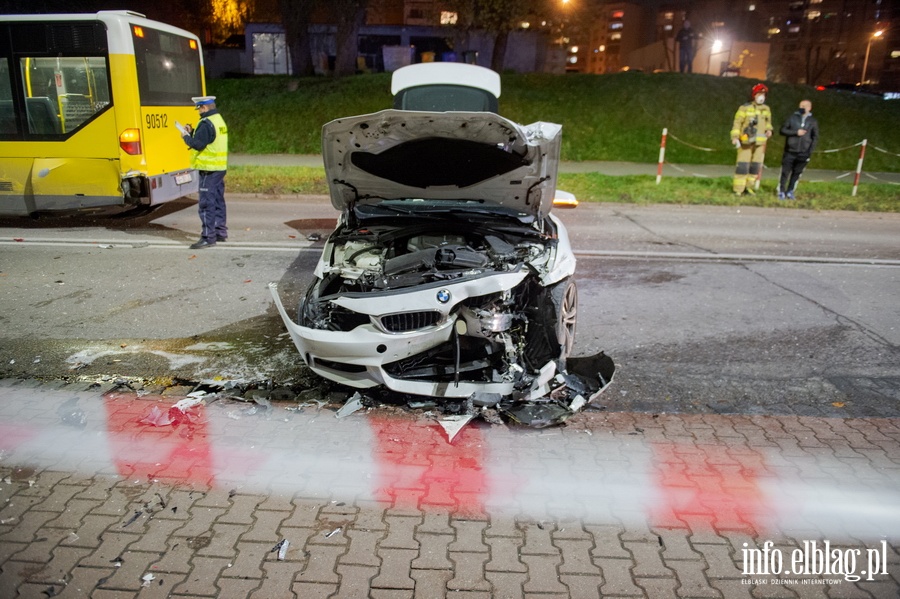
168,67
7,112
63,93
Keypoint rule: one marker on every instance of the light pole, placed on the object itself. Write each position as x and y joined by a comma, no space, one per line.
875,35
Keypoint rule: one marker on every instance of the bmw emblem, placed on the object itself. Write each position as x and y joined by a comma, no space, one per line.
443,296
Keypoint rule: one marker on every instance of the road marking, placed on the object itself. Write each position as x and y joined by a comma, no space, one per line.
583,254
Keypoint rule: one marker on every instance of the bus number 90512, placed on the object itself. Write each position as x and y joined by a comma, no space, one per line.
157,121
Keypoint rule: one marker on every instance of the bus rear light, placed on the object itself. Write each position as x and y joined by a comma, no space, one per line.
130,141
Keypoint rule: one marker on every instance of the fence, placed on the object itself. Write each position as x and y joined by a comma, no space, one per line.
857,173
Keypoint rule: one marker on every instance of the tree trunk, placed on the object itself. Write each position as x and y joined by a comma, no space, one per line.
295,16
349,21
498,56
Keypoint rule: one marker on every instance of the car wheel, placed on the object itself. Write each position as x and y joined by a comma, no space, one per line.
567,315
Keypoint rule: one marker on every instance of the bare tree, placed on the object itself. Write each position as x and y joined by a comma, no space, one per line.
349,15
295,16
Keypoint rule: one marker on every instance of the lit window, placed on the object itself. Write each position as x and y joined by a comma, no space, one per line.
602,48
616,25
774,31
615,36
448,17
617,14
895,54
815,1
794,29
813,14
573,59
751,8
668,27
669,16
718,24
573,49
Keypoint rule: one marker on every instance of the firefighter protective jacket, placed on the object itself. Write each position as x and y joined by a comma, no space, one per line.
751,122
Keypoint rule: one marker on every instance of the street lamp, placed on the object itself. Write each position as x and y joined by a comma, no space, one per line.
875,35
714,49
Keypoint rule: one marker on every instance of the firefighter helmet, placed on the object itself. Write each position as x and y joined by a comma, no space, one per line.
759,88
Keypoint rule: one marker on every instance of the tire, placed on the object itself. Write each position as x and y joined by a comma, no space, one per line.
565,298
551,331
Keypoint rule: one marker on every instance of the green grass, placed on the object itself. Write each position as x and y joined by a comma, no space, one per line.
632,189
616,117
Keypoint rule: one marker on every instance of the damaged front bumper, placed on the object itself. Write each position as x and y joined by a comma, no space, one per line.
357,358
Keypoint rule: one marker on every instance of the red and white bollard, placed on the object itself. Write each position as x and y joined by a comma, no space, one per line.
662,155
862,154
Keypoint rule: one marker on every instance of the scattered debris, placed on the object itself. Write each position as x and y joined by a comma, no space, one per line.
453,424
328,535
354,404
148,578
281,547
137,514
71,414
314,237
181,411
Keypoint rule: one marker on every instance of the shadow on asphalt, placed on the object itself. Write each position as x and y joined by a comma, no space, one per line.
141,219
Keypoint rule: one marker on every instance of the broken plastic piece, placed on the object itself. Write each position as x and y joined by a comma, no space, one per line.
577,403
328,535
148,578
453,424
353,404
192,399
539,415
486,399
422,405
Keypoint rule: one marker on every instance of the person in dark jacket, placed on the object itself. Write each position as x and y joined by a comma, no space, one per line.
685,39
801,132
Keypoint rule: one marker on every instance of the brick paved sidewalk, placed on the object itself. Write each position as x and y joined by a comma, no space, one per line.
247,500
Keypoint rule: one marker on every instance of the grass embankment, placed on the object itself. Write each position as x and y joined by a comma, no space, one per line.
594,187
609,117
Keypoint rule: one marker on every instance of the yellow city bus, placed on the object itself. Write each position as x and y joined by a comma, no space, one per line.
88,105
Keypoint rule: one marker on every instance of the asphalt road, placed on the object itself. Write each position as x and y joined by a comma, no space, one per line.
704,309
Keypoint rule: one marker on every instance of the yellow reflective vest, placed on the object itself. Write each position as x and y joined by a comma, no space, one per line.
213,157
751,121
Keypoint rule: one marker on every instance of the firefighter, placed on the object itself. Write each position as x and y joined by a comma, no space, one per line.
751,129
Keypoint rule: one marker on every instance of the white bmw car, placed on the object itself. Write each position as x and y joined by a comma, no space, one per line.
447,275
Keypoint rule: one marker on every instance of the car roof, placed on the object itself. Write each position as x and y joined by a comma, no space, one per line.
445,86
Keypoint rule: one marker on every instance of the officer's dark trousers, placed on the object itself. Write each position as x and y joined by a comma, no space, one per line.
212,206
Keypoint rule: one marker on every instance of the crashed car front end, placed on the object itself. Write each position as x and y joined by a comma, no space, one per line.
435,314
446,276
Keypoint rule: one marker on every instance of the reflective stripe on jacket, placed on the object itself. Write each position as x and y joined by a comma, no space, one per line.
743,122
214,157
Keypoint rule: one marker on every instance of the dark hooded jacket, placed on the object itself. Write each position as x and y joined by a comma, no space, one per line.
803,145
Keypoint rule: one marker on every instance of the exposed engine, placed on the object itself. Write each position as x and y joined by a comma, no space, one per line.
495,337
366,261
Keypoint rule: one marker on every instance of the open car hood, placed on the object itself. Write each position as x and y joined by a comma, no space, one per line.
441,155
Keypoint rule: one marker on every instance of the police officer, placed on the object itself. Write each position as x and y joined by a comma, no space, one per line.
751,129
208,145
801,132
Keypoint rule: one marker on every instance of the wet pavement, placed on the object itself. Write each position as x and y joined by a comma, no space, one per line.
106,491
